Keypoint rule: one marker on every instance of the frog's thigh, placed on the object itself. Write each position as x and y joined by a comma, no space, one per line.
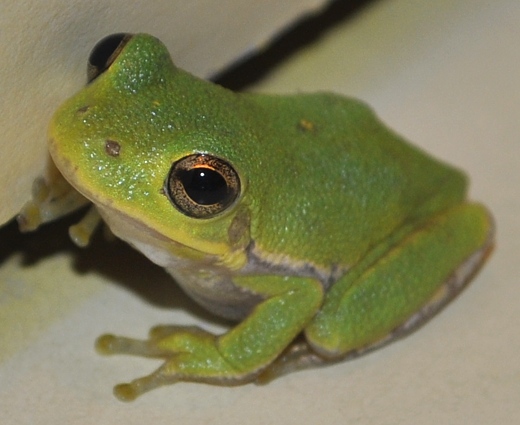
405,286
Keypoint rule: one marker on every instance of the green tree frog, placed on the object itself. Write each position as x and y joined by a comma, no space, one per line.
320,232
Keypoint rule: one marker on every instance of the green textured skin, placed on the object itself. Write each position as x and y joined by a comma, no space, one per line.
348,180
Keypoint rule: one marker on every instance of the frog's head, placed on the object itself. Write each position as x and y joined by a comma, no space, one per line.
156,148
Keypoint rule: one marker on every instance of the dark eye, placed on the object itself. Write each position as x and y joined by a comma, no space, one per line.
104,53
202,186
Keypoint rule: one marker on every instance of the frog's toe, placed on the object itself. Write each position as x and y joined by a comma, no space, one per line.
111,344
163,342
161,332
29,217
126,392
130,391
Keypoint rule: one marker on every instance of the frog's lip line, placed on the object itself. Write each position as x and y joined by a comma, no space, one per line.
144,226
135,227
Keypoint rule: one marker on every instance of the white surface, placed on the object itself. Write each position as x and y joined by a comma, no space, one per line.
446,76
44,47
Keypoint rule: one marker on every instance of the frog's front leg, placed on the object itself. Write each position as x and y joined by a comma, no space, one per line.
235,357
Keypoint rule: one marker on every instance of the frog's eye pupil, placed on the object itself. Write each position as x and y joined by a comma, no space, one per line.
202,186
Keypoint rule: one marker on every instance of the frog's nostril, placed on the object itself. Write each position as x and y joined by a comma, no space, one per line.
104,53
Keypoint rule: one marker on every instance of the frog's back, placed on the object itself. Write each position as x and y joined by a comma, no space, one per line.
339,180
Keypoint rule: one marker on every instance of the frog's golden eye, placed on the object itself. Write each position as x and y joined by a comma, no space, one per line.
202,186
104,53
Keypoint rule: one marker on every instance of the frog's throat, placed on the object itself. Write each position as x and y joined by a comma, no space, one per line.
160,247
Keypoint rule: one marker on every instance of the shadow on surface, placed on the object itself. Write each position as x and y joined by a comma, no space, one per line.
115,260
296,37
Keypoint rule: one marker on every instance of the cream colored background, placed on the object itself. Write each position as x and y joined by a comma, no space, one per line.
44,47
445,74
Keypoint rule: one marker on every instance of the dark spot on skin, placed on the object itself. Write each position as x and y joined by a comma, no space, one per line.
306,126
112,148
83,109
239,227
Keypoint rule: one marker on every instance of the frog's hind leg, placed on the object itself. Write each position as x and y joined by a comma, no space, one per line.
445,294
395,293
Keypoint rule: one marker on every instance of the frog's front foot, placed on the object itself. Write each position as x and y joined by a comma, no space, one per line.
52,198
189,353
